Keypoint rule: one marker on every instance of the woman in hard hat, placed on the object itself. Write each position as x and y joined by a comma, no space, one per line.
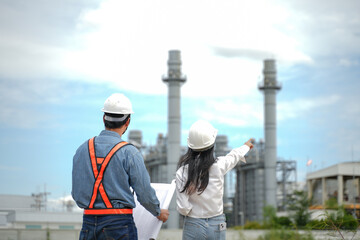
200,183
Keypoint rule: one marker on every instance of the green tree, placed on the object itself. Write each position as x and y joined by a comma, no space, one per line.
269,214
299,204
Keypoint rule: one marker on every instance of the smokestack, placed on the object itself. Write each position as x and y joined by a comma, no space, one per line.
270,86
174,80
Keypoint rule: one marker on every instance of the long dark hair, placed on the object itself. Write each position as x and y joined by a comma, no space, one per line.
199,164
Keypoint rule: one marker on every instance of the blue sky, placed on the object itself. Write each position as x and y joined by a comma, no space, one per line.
60,60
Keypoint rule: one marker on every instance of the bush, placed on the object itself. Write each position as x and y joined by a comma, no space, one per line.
349,222
283,222
341,220
252,225
276,223
316,225
284,234
335,221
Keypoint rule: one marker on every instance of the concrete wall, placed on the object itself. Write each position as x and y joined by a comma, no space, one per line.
165,234
38,234
176,234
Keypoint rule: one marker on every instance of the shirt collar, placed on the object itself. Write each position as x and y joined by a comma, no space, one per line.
109,133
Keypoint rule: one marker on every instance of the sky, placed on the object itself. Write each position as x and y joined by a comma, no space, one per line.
60,60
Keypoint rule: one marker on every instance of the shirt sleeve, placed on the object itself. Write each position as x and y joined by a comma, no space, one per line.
140,181
182,199
229,161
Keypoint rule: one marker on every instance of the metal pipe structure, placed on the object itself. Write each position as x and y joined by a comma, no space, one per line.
174,79
270,86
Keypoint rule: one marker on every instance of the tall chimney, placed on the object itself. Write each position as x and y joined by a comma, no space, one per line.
174,80
270,86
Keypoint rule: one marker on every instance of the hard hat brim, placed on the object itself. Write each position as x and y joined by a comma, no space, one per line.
115,112
202,149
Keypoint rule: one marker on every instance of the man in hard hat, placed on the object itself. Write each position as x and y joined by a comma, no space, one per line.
105,168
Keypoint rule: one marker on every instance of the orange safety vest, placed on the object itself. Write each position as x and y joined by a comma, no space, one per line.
98,186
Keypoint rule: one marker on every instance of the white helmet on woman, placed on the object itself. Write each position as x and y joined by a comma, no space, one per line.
202,136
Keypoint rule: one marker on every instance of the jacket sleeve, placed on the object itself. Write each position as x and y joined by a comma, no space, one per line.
140,182
182,199
229,161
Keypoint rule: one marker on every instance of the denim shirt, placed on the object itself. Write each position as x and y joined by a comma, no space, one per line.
126,169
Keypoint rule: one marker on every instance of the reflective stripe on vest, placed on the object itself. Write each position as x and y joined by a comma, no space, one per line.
108,211
98,175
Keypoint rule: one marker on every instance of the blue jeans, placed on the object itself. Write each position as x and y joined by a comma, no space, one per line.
108,227
205,228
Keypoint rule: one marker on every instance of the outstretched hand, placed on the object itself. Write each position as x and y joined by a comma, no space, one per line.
250,142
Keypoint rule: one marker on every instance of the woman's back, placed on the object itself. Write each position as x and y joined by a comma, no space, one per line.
210,202
200,183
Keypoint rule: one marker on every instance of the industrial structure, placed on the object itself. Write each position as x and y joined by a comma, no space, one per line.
26,217
174,79
248,187
250,190
340,183
286,176
264,180
250,198
270,86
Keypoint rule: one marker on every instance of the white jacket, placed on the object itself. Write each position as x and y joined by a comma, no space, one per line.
210,202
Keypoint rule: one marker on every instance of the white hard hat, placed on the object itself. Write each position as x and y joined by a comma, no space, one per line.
202,135
117,103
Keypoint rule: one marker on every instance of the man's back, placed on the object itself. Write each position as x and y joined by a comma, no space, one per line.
126,169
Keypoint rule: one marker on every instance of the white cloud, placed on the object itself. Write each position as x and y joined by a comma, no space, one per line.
35,35
299,107
127,42
128,45
232,112
348,62
240,113
324,30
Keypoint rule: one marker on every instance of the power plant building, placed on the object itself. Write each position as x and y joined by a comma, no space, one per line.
250,194
264,180
248,187
340,183
26,217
